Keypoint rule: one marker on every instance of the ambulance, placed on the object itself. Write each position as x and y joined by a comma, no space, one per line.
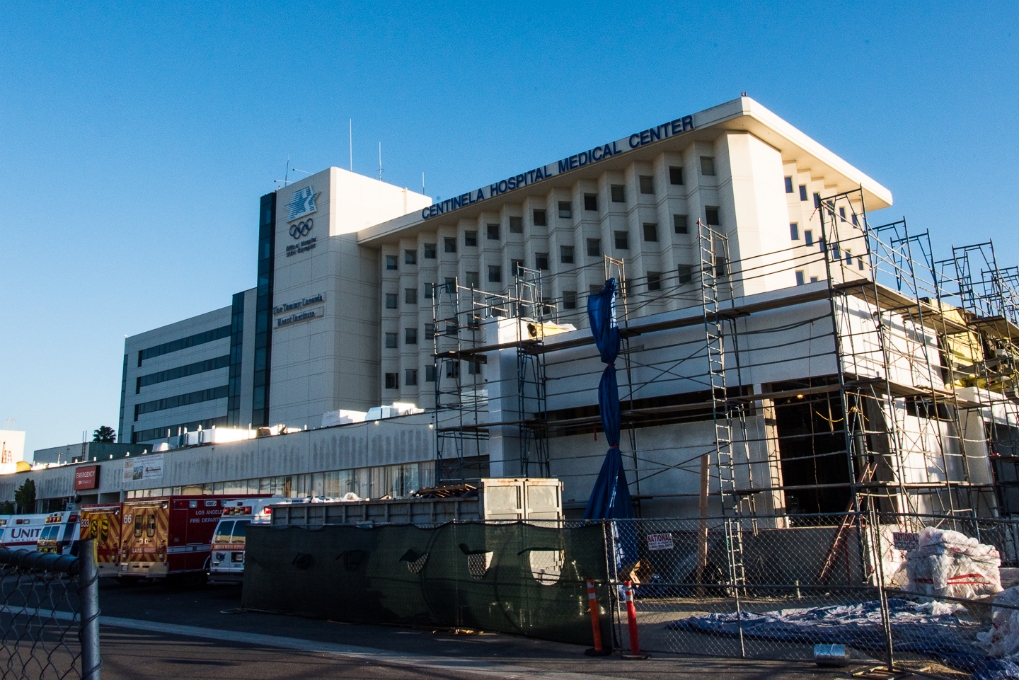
60,535
227,562
102,522
24,531
169,536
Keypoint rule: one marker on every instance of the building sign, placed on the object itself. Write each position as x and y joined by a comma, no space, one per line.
301,203
144,467
301,229
906,540
300,316
659,542
598,153
86,477
302,247
303,302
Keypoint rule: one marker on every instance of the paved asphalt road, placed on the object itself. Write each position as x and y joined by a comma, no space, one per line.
155,631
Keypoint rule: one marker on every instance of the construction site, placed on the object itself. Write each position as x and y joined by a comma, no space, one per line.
887,382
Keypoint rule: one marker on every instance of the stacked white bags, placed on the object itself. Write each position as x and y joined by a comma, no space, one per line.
952,564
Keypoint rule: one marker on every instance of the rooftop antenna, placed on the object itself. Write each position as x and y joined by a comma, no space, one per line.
422,182
352,145
286,173
380,161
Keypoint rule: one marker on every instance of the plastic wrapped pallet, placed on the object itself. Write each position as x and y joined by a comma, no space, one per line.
952,564
1003,637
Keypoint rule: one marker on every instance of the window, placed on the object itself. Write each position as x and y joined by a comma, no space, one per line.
450,284
856,221
789,187
849,258
450,244
675,175
618,192
622,240
429,287
410,336
565,209
794,231
392,381
452,369
569,299
410,296
429,251
390,262
429,373
720,270
566,254
516,266
541,261
808,237
836,253
650,231
647,184
429,331
842,213
494,273
410,257
803,192
540,220
799,275
390,340
472,279
654,281
817,200
410,377
594,289
685,273
391,301
680,224
708,166
594,247
474,367
859,263
471,239
711,215
813,279
590,201
517,224
493,232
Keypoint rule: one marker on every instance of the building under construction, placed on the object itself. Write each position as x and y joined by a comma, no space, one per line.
888,377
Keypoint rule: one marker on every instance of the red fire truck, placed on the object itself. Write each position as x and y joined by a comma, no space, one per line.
169,535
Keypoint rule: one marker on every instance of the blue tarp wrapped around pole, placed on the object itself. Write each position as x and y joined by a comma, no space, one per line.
610,497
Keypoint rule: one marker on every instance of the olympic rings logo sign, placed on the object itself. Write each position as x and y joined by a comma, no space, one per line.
302,228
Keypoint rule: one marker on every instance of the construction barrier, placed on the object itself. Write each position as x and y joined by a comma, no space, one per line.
512,577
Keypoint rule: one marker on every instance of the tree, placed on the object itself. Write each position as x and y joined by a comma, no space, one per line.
105,434
6,508
24,497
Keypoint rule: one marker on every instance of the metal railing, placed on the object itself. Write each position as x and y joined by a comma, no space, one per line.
49,614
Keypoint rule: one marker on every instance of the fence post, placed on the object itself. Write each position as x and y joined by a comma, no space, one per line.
88,592
886,616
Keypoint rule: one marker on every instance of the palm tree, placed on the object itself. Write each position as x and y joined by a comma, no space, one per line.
105,435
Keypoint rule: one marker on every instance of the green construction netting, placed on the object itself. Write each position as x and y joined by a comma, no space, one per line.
512,578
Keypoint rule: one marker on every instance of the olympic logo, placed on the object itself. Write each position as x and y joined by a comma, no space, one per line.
302,228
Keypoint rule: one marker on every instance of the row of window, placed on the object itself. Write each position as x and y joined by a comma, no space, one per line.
181,400
169,430
181,372
183,343
680,225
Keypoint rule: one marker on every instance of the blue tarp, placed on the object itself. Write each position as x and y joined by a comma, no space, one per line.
929,628
610,497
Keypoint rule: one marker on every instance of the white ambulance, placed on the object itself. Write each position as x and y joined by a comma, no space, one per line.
25,531
226,563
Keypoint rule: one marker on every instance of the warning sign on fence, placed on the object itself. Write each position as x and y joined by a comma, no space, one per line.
905,540
659,542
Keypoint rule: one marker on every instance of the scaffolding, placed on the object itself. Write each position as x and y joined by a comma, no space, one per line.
896,370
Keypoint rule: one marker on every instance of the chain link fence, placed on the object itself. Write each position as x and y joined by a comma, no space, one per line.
914,591
49,615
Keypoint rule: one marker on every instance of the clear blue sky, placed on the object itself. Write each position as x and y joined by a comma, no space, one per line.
135,140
